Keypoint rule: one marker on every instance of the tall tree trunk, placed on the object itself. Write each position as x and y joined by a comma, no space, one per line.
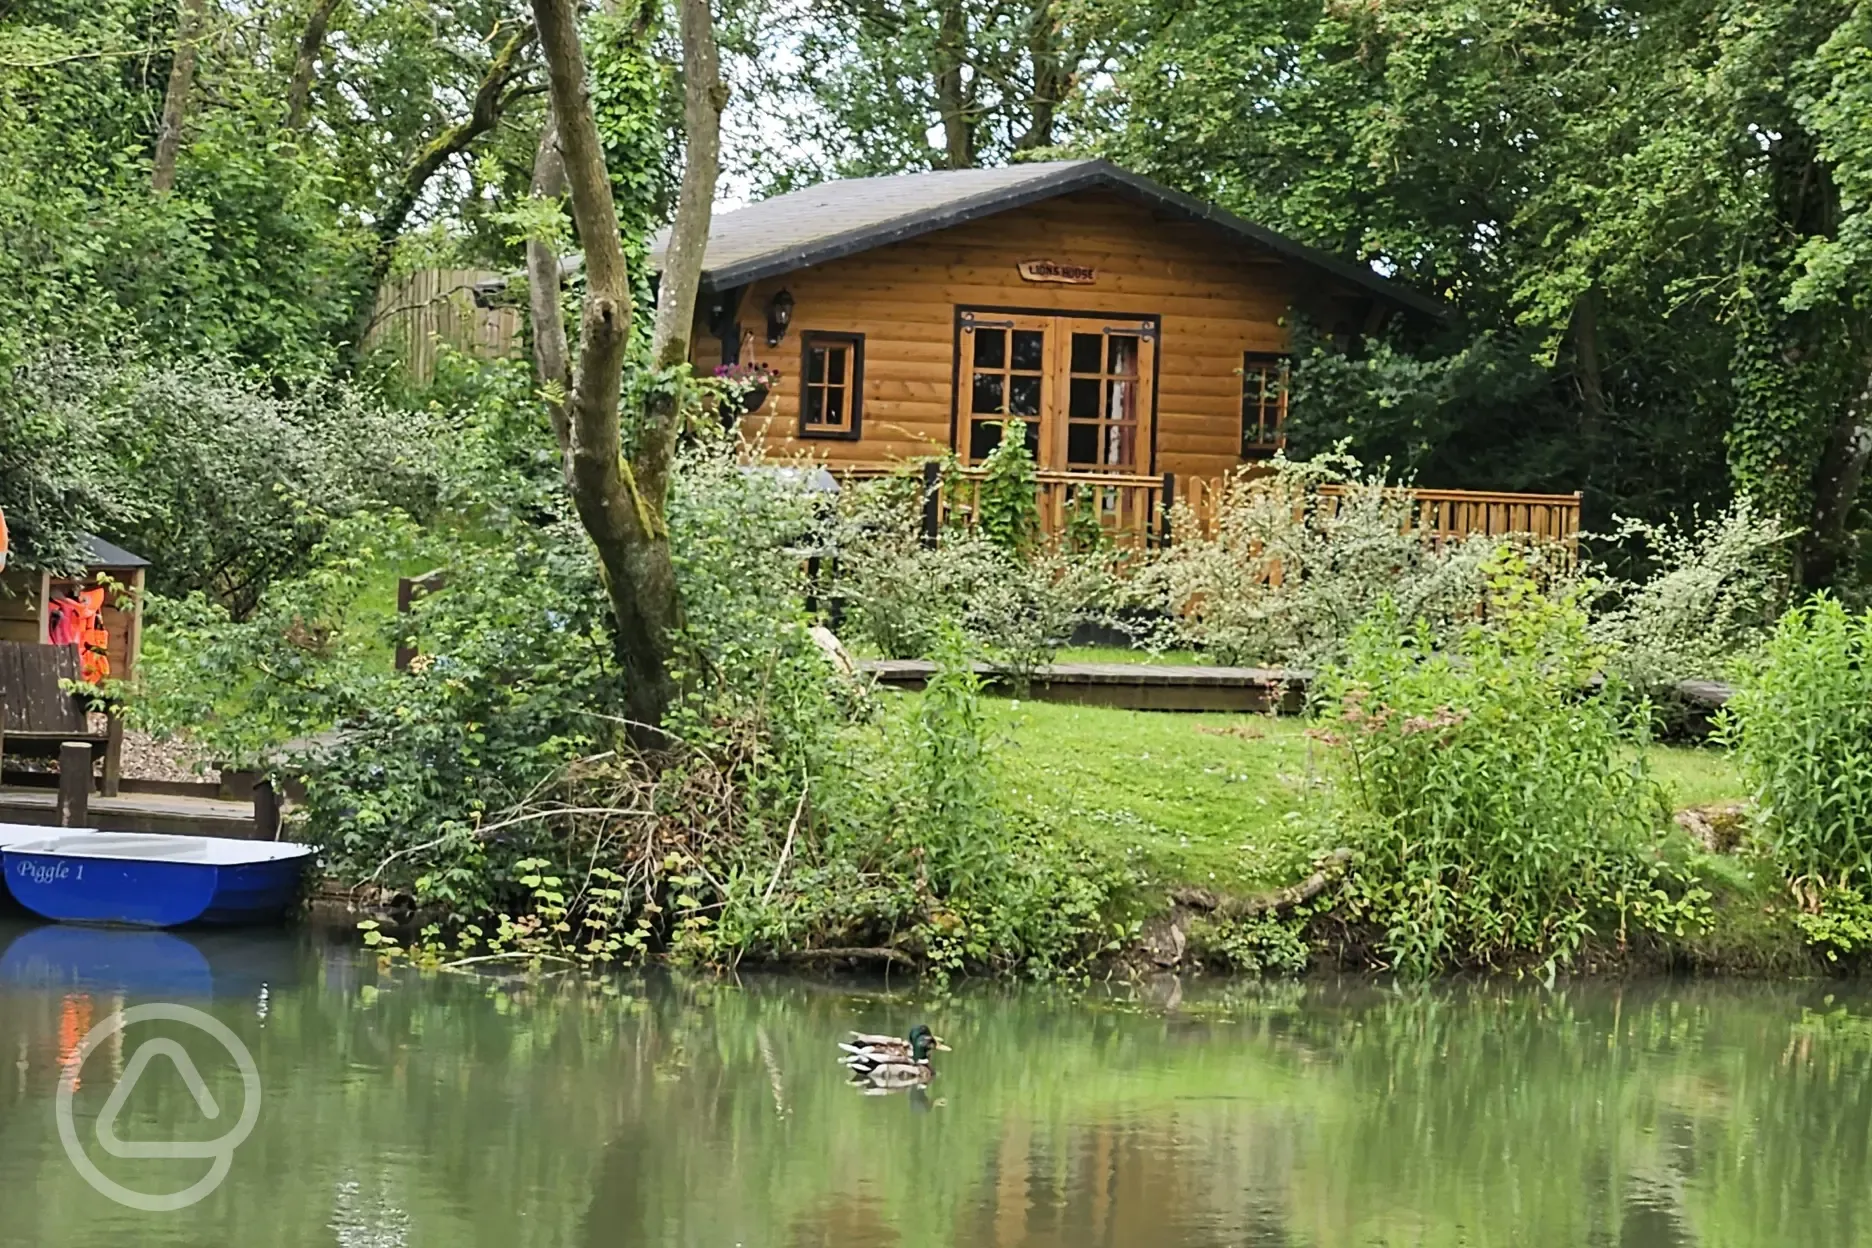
1836,490
542,264
495,91
1588,373
621,502
1054,68
191,16
311,43
952,93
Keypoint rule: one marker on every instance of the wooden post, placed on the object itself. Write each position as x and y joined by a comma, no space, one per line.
113,755
1169,497
932,501
266,810
404,651
2,740
74,791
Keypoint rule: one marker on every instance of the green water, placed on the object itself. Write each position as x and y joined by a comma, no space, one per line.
402,1110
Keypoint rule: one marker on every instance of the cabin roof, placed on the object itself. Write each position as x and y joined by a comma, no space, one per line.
841,218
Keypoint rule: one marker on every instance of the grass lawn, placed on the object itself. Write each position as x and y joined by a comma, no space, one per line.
1210,799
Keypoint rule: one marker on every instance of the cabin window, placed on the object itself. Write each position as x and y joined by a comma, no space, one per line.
1264,404
831,381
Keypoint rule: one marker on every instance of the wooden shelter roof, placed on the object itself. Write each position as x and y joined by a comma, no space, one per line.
840,218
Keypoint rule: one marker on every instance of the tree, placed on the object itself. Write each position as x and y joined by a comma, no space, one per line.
989,77
620,486
502,82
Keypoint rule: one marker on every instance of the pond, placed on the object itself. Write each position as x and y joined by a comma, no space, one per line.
398,1109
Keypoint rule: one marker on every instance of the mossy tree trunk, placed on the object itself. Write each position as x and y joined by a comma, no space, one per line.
622,500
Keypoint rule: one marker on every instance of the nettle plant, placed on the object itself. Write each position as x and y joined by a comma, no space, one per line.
1500,813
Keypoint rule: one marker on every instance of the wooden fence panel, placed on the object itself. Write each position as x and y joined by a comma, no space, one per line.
418,311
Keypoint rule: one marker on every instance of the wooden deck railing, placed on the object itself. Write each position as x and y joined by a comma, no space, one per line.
1442,515
1131,509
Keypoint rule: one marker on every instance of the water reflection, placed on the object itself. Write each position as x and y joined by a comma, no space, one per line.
402,1110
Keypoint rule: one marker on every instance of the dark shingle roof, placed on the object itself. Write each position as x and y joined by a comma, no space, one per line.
841,218
99,553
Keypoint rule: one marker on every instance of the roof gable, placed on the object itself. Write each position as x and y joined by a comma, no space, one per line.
841,218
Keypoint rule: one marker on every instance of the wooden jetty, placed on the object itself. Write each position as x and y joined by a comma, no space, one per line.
1130,686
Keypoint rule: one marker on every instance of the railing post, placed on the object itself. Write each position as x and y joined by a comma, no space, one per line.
932,501
1165,500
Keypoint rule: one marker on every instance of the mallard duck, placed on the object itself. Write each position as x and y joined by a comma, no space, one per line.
894,1048
887,1063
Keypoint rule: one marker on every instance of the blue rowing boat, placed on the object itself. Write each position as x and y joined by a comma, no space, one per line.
153,881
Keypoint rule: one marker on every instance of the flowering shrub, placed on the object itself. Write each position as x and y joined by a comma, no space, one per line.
1288,573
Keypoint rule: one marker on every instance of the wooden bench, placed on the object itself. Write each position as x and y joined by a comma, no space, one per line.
37,714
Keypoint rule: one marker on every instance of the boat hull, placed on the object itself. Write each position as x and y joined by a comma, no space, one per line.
153,881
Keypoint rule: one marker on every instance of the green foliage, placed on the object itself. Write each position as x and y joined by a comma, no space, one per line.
223,483
1289,572
1838,924
1008,508
1499,817
1800,722
1712,593
1017,606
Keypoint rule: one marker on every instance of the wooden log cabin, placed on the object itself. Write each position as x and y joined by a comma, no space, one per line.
1143,335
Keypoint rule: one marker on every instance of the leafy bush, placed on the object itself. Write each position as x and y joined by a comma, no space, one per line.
1713,592
1800,722
224,484
1017,607
1499,814
1289,573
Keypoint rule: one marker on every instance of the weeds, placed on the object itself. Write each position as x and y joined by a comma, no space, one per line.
1499,815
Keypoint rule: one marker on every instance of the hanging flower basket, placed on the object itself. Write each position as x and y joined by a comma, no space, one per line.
746,386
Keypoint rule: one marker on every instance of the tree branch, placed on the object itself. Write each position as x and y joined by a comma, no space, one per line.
189,20
543,301
311,43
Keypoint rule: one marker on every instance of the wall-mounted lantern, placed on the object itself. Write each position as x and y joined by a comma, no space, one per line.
779,315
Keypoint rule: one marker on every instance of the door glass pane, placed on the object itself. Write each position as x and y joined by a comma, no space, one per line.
1024,396
1123,400
1085,353
1123,355
835,406
984,436
1033,440
815,400
835,365
990,348
1084,403
988,392
1028,348
1082,444
815,364
1121,446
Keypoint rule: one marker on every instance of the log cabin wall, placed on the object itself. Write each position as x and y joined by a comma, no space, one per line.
1216,298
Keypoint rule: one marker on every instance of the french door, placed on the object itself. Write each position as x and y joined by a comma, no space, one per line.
1080,381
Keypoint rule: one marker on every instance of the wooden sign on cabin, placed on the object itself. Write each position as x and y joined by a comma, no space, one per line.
1053,271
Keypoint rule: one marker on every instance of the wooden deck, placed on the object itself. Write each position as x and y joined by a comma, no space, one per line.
1131,686
134,812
